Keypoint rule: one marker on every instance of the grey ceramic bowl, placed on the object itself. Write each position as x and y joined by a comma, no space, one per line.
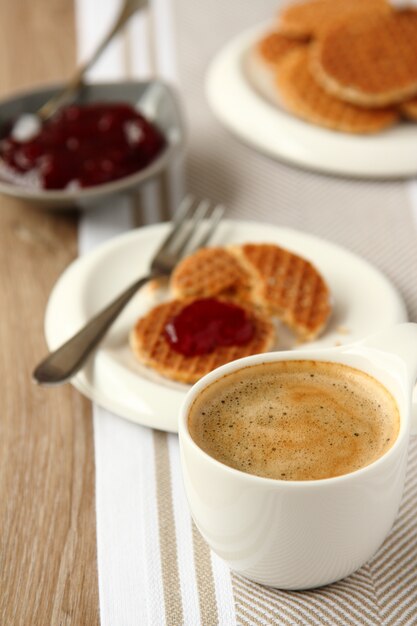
155,99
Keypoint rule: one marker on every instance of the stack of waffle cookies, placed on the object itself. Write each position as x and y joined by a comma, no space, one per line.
347,65
267,281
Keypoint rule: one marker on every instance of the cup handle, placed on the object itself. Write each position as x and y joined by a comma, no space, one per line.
400,341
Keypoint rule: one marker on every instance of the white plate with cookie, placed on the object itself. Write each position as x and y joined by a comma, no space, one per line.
244,104
114,379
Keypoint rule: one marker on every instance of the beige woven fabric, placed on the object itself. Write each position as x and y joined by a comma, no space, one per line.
370,218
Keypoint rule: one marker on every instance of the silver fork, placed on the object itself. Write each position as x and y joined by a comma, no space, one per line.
193,225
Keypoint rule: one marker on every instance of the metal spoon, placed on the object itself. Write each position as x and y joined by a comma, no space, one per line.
29,124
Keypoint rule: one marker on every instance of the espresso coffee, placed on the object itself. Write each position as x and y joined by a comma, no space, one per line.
295,420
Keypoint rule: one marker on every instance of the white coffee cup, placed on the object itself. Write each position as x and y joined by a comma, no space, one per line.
303,534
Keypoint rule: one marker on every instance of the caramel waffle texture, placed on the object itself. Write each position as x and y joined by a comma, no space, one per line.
301,95
265,58
312,18
370,61
274,47
150,346
209,272
288,287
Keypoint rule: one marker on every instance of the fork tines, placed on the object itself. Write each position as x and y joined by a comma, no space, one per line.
195,222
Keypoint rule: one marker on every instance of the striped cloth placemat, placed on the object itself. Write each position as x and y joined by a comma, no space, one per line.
154,567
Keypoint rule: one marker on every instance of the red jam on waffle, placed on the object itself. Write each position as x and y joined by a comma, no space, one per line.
206,324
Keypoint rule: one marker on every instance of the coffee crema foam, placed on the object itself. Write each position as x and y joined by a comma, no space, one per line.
295,420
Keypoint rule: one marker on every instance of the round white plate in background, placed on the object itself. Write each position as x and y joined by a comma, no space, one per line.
264,126
364,302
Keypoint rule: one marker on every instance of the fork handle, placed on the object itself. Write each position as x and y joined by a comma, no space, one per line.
66,361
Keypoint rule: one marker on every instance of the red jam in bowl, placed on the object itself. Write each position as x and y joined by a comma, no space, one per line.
82,146
206,324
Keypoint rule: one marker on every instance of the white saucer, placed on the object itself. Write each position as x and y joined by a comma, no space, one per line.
389,154
365,302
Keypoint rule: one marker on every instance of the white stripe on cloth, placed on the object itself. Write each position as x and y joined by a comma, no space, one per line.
184,540
128,550
124,492
224,591
128,559
92,20
148,521
165,55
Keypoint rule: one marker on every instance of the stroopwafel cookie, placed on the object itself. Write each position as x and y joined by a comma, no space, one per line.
265,58
370,61
312,18
209,272
274,47
300,94
288,287
151,347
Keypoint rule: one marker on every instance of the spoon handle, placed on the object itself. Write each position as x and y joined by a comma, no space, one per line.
53,104
66,361
128,9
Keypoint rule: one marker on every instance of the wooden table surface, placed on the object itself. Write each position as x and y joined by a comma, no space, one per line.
48,568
